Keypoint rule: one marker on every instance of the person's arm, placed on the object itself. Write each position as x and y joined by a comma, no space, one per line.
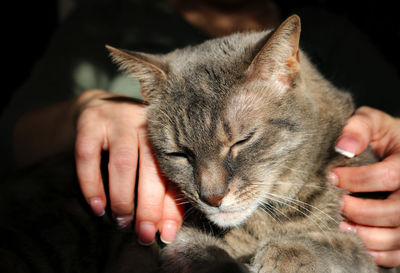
90,124
44,132
376,222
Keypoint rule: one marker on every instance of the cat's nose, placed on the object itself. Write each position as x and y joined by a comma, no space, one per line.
213,200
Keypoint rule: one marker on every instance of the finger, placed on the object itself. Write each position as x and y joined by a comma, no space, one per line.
381,176
174,206
374,237
122,173
355,135
394,195
151,193
387,258
88,145
370,212
365,126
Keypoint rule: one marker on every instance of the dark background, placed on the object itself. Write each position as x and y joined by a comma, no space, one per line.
28,26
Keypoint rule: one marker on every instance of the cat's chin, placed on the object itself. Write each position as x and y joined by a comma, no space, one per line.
226,219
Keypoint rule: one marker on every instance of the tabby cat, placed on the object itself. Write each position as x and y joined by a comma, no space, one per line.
245,126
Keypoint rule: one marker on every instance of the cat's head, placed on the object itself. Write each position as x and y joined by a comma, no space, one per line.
228,119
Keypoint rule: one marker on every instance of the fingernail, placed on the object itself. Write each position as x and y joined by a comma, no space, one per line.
146,233
124,222
373,254
347,146
341,204
332,177
97,206
168,232
347,227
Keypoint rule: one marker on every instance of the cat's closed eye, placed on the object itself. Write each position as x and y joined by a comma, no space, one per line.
243,141
177,154
181,156
238,144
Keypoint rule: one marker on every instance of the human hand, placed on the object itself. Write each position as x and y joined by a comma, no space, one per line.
120,128
376,222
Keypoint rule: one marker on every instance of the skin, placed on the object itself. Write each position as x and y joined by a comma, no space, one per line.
101,126
376,222
89,124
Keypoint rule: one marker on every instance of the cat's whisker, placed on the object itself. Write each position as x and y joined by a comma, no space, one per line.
211,229
270,211
183,203
311,216
180,199
289,183
180,195
273,197
188,212
271,214
302,205
298,202
311,133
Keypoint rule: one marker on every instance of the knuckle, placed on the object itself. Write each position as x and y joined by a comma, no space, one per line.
364,109
380,241
390,216
370,242
149,167
391,177
124,159
362,123
90,112
89,123
150,209
369,112
394,221
85,149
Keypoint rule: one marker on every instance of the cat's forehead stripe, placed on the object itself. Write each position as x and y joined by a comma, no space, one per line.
227,129
283,123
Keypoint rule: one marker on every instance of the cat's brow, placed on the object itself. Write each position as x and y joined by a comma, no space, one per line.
283,123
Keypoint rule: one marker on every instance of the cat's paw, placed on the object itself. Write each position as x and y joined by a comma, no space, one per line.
196,252
285,257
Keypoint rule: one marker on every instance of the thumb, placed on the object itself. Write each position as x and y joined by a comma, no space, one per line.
356,134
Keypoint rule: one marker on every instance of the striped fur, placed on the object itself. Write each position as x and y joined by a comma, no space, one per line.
245,126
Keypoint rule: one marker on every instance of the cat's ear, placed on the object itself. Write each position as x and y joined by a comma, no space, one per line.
146,68
278,60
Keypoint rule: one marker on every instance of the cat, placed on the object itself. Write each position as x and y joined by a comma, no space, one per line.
245,126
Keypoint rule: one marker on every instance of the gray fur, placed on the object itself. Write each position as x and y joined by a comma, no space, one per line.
246,126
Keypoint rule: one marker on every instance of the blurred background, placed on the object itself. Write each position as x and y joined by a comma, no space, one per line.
28,26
